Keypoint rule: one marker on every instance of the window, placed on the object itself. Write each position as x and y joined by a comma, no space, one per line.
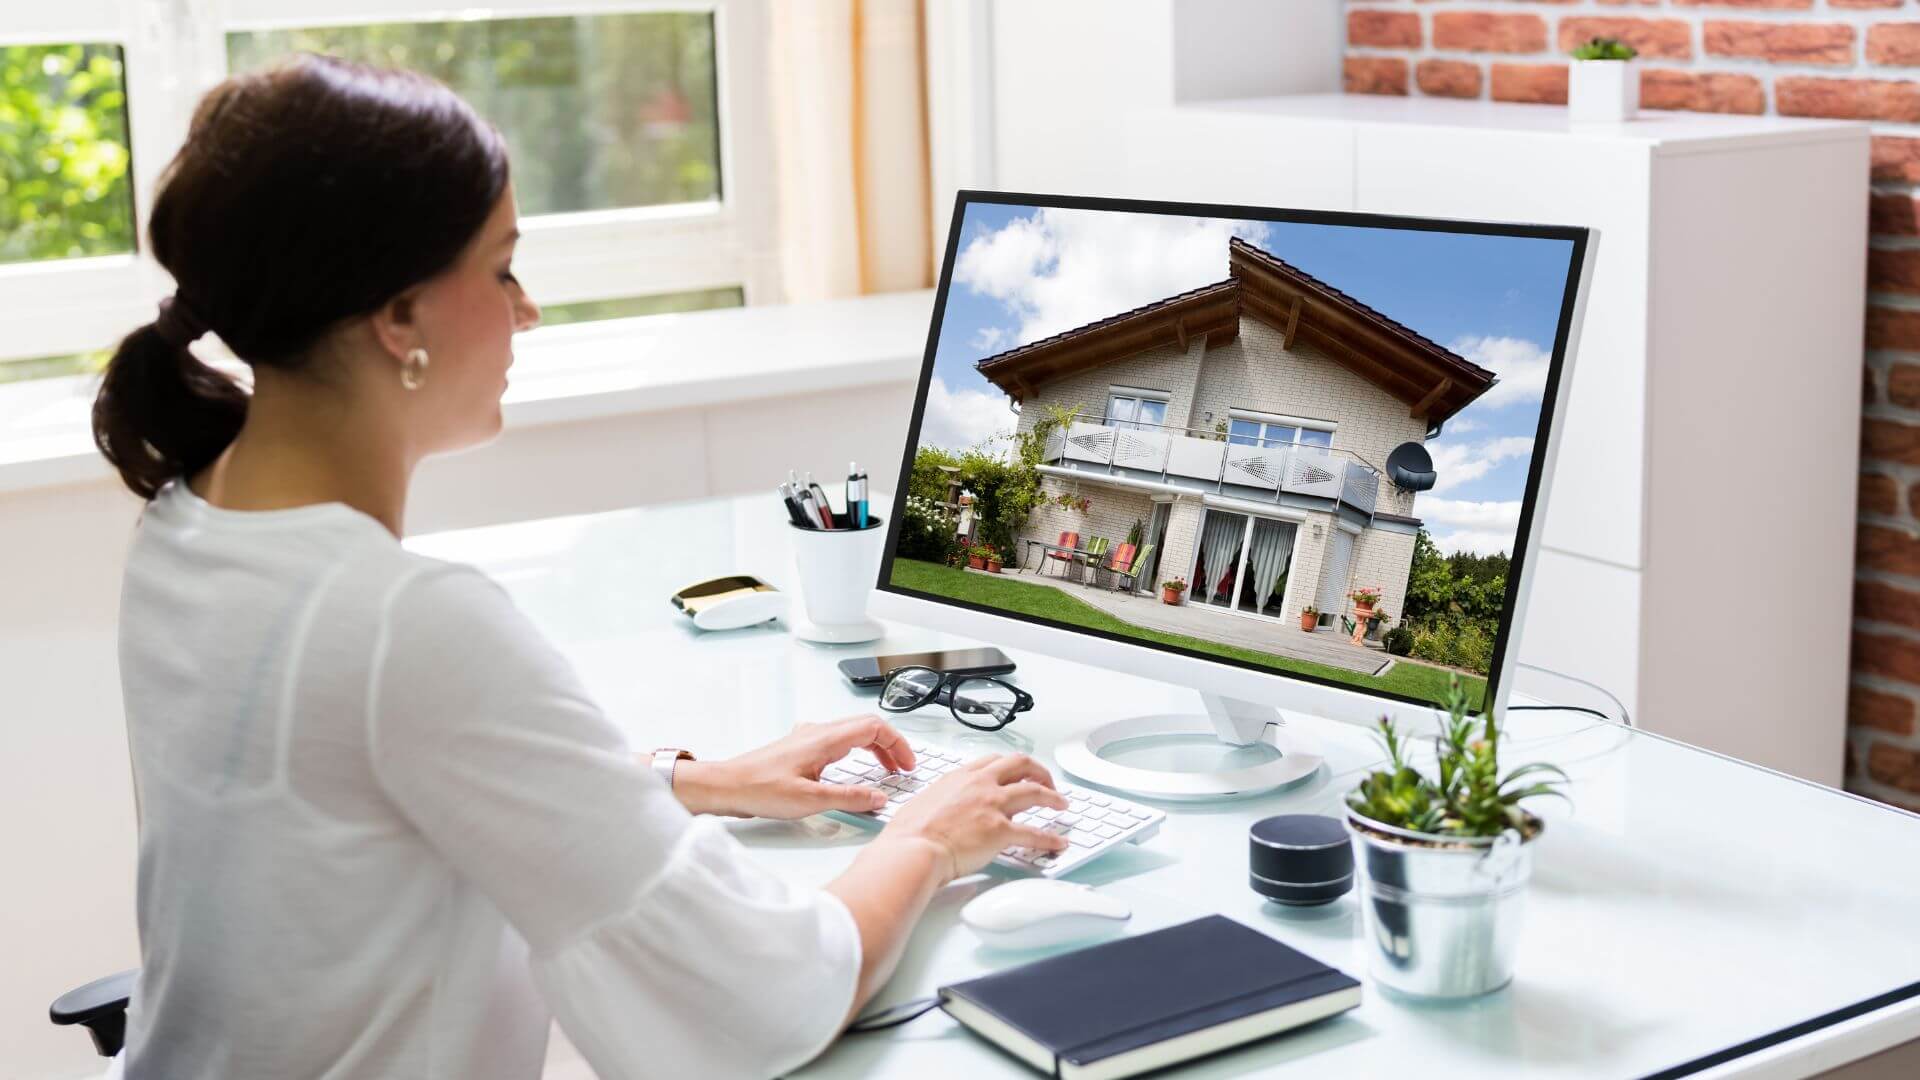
599,112
630,306
64,188
1136,411
1273,433
627,121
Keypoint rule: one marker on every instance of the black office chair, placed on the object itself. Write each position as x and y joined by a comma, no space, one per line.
101,1005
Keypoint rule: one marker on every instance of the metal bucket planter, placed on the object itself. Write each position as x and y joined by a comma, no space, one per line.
1442,921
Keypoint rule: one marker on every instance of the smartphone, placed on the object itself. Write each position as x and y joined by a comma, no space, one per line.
872,670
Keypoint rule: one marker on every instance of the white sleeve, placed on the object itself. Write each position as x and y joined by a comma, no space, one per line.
662,950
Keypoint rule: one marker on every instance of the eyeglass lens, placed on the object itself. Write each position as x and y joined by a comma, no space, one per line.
983,700
909,688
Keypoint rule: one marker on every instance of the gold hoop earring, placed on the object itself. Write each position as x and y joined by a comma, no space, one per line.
413,370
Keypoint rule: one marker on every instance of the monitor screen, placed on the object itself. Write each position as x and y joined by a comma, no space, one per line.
1298,442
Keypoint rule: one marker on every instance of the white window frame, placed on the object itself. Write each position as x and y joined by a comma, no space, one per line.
175,50
1136,395
1298,423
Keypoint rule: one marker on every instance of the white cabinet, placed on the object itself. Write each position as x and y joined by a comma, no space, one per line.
1697,552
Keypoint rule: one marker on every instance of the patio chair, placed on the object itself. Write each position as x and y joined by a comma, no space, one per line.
1131,571
1095,555
1067,540
1119,557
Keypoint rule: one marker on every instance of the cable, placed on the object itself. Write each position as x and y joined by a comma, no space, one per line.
893,1015
1626,716
1562,708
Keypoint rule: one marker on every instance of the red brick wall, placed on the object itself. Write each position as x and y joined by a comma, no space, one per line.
1857,59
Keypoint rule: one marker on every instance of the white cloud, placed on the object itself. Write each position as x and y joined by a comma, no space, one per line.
1521,365
1466,525
1059,269
1461,427
988,339
1478,543
956,420
1456,463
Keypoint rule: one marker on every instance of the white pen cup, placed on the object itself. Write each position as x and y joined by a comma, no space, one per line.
837,569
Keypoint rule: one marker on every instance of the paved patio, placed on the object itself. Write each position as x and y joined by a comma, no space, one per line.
1214,624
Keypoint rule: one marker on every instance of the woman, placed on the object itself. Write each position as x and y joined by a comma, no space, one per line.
384,831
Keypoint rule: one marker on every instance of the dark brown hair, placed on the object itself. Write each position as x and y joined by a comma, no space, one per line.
305,195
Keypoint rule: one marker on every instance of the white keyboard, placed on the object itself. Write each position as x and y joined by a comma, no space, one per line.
1093,823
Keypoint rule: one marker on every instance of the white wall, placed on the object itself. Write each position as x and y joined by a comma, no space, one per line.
66,803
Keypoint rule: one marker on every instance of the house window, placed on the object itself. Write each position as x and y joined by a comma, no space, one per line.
1275,433
1136,412
628,124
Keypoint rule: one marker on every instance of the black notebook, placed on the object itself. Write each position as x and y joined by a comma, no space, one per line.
1149,1001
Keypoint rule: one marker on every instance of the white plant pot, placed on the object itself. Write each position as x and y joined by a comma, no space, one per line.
1603,91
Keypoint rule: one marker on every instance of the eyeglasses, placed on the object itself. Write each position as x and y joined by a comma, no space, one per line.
977,701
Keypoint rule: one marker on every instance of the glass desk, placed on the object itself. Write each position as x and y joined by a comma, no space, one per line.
1689,914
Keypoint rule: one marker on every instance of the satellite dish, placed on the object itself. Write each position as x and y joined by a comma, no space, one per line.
1410,467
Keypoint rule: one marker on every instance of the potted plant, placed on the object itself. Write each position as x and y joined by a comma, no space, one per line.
993,559
977,558
1309,618
1603,83
1444,860
1364,601
1170,591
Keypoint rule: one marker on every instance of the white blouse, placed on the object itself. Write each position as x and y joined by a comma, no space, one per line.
386,833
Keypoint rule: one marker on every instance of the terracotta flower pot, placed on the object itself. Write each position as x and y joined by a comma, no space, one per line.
1171,596
976,562
993,566
1308,620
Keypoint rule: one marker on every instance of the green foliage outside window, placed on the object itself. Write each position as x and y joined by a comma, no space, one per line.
598,111
64,187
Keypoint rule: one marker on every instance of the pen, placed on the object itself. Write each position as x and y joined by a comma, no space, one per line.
798,515
820,498
856,495
807,507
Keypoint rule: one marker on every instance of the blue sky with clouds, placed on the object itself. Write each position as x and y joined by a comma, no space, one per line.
1024,273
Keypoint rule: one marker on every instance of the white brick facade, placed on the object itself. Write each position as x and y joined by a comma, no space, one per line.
1256,373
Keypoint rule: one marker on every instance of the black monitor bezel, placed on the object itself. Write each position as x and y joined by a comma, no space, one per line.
1549,404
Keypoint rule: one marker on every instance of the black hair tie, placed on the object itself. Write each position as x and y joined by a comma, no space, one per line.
178,324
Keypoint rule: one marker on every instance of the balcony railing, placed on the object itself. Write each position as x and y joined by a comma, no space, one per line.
1170,453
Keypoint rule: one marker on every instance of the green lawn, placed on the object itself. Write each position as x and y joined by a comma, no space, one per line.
1407,679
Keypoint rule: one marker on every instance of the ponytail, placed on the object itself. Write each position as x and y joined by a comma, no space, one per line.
161,413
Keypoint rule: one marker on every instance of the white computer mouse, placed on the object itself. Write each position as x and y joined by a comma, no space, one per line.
1034,913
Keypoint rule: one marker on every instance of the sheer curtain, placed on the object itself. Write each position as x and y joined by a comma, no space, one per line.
1218,545
850,147
1272,544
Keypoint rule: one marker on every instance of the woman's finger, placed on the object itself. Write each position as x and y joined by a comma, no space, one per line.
854,798
1039,839
1015,767
870,733
1024,794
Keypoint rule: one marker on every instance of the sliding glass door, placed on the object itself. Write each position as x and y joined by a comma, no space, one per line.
1242,562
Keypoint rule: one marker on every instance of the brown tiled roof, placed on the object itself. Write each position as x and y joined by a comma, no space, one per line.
1235,245
1227,286
1435,381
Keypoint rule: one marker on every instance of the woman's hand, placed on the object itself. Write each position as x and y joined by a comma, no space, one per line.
968,812
782,778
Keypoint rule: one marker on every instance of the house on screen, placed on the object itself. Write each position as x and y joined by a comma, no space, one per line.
1246,425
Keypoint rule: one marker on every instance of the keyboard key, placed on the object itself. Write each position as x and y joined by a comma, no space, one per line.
1093,813
1123,806
1100,800
1106,831
1081,840
1077,805
1067,819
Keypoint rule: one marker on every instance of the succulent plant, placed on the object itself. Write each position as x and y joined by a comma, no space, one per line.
1604,48
1471,798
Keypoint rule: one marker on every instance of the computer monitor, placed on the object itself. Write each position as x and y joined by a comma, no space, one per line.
1291,459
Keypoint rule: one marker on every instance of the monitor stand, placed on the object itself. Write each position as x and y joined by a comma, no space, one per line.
1231,721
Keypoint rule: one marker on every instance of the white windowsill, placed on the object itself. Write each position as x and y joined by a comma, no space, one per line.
575,372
